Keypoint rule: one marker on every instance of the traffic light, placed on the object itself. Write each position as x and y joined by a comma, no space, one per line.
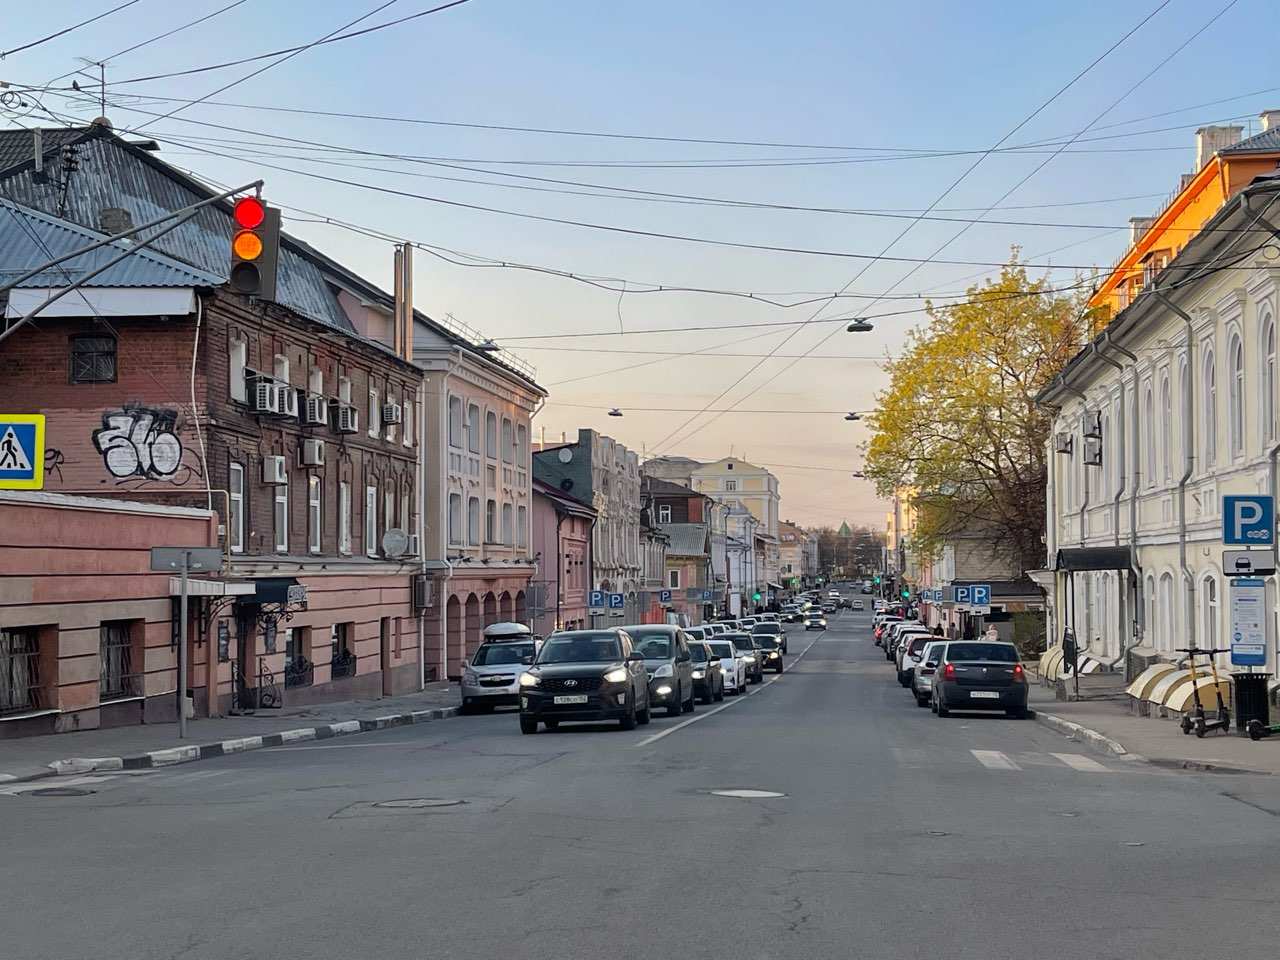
906,594
255,248
756,596
877,579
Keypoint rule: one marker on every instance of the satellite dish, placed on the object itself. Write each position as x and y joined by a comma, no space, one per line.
566,484
565,454
395,543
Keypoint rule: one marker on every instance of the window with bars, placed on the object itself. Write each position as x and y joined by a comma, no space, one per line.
19,670
116,679
93,359
342,660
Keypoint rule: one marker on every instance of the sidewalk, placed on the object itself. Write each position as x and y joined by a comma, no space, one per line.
135,747
1109,725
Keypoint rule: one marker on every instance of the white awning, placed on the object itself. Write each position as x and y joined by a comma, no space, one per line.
212,588
105,302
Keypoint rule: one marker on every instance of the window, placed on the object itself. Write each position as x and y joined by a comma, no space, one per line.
344,517
281,516
342,661
116,679
1268,378
522,524
1164,641
673,579
490,521
391,427
1150,412
1166,428
1104,475
1236,398
313,514
508,442
408,420
455,422
237,360
19,670
473,520
473,428
389,509
93,360
1209,593
491,435
664,513
507,524
1184,386
731,485
315,381
235,507
522,445
1210,407
280,367
371,521
344,390
455,518
375,415
404,512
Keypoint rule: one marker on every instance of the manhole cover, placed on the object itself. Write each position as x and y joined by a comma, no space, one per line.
748,794
937,833
61,792
1068,814
418,803
1134,843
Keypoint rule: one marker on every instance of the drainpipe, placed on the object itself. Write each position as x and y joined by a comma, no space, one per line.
559,567
1188,436
1084,505
1124,476
443,525
420,527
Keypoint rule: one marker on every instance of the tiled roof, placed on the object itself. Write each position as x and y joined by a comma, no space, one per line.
29,238
1266,142
687,539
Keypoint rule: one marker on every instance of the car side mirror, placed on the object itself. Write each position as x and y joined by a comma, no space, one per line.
527,661
932,664
635,657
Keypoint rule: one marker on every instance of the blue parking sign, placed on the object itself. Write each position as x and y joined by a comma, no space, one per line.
980,594
617,601
964,594
596,599
664,596
1249,520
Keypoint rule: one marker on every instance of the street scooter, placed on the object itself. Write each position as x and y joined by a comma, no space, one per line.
1201,724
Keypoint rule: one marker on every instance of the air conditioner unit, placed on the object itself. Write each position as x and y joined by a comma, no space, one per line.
413,546
313,453
1062,443
391,413
348,419
266,395
1092,424
288,401
274,470
317,410
422,593
1092,452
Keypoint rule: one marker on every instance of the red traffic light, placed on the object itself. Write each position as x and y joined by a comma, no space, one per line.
249,213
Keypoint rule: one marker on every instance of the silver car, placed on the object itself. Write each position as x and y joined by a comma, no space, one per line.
492,677
922,676
732,665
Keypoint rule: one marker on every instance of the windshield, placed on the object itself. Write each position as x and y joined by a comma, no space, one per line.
722,650
742,642
997,652
768,643
495,654
581,648
698,653
766,628
654,648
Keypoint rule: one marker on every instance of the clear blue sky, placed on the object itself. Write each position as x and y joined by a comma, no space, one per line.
930,74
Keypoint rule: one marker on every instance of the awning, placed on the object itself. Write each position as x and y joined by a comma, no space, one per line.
775,586
210,588
1093,558
277,590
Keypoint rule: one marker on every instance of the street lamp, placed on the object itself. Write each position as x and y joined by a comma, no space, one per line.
615,412
852,416
859,326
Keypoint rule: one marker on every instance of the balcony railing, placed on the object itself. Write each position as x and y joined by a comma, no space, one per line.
343,665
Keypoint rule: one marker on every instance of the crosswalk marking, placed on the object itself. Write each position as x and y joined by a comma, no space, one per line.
1077,761
994,760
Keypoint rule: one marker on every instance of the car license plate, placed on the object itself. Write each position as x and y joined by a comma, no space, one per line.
980,694
576,698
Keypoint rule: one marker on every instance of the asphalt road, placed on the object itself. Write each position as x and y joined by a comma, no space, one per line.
898,835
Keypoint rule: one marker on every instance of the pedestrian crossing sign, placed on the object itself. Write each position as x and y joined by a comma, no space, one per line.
21,451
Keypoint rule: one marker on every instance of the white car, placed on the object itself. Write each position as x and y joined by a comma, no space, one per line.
858,605
733,666
922,676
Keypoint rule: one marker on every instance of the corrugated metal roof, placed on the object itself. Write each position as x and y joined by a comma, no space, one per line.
687,539
18,146
1266,142
111,175
29,238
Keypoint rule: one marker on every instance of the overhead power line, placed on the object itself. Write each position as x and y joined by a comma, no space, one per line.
65,30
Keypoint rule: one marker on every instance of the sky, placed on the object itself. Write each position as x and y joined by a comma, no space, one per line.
848,94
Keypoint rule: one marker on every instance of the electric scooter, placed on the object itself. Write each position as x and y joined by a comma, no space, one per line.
1201,724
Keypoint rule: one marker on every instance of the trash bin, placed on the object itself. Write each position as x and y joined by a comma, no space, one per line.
1251,699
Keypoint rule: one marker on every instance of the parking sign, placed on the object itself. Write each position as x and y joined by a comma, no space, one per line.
964,595
596,600
664,596
617,601
1249,520
980,594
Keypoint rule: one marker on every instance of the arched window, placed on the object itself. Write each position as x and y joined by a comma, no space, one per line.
1268,411
455,422
1209,609
1209,448
1165,637
1166,428
491,435
1236,387
508,441
1184,384
473,428
1149,408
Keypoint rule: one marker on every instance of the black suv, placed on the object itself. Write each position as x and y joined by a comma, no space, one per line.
770,629
665,649
769,650
584,675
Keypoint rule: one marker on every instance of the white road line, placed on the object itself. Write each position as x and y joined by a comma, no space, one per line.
738,699
994,760
348,746
1080,762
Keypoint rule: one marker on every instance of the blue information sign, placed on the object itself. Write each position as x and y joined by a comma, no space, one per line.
664,596
596,599
980,594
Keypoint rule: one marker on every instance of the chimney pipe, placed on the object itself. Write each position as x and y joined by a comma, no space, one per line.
1209,140
402,315
1269,119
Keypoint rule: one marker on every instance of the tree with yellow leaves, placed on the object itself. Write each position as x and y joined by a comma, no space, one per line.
959,421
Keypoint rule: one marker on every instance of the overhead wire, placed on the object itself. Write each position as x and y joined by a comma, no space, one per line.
65,30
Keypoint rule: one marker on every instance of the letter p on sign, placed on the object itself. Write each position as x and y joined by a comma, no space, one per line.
1248,520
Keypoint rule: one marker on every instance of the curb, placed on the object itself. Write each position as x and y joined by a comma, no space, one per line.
1204,766
1092,737
189,754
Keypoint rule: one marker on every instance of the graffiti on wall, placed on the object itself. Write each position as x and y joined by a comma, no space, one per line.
142,443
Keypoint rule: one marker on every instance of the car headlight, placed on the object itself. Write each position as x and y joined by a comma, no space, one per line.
664,671
616,676
749,657
469,678
529,679
773,655
699,674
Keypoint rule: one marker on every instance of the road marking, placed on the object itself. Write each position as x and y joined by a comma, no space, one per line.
994,760
346,746
737,700
1078,761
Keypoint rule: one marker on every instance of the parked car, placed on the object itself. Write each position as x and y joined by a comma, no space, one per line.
588,675
792,614
910,648
492,677
695,633
746,623
769,650
772,630
713,630
733,668
665,650
922,678
900,635
815,621
857,604
745,646
708,681
976,675
880,625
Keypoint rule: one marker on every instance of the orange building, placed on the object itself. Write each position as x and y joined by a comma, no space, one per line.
1225,165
